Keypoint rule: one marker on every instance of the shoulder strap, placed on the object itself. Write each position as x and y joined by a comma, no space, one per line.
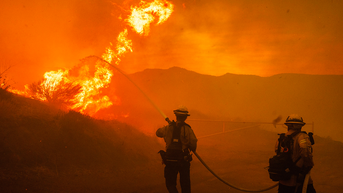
282,136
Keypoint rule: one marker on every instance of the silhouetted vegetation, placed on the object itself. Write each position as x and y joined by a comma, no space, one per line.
4,85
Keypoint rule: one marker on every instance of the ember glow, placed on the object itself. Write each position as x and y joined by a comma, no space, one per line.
84,85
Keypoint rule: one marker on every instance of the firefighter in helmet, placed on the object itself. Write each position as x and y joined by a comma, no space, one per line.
301,155
180,140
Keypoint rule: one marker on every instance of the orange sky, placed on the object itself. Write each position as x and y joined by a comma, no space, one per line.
264,37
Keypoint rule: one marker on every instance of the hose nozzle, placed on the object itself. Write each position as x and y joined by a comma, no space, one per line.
168,120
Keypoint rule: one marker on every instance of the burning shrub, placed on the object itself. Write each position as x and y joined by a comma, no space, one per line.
62,95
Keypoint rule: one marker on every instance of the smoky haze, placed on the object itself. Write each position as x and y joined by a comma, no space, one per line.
317,98
47,150
261,38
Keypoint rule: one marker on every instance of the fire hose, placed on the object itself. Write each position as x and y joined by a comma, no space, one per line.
232,186
167,119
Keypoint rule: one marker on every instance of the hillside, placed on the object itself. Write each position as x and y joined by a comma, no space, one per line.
43,148
47,150
317,98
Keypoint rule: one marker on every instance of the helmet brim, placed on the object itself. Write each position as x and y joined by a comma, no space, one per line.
181,113
294,122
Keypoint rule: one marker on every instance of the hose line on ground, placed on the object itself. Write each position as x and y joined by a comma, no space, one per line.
166,118
232,186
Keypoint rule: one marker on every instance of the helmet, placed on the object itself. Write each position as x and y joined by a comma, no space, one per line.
294,119
182,110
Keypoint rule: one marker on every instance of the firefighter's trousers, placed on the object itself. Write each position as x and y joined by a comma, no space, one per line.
171,171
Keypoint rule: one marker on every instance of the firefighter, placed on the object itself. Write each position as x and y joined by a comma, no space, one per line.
180,140
301,156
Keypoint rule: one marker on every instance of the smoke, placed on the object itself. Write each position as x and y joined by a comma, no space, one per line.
261,38
277,120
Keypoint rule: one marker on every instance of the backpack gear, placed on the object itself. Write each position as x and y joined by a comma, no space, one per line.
294,119
281,166
175,153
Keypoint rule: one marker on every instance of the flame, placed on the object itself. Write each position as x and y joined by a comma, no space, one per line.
50,84
91,85
86,83
108,55
90,98
18,92
124,45
141,17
